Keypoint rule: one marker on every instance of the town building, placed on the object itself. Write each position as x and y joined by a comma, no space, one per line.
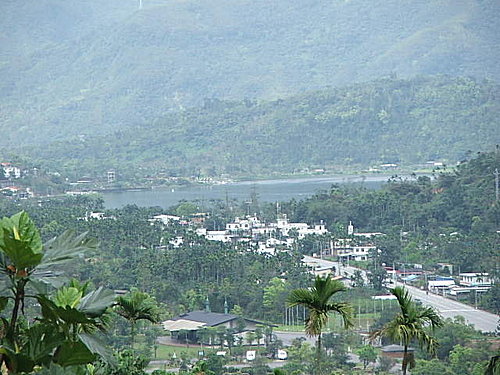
475,279
10,171
164,219
186,327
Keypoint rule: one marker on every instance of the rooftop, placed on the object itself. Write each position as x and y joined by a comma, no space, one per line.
209,318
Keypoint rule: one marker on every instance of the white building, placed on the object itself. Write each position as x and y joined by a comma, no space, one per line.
164,219
216,235
475,279
11,171
302,229
441,286
177,242
352,232
353,252
263,231
96,216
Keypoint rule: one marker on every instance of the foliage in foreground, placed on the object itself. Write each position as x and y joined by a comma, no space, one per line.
65,333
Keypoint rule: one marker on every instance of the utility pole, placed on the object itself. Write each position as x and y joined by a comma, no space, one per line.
140,4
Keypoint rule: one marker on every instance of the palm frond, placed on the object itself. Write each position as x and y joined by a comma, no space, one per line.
302,297
345,310
404,299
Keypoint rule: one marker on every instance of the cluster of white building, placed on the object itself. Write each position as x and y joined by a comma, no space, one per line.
10,171
265,237
282,234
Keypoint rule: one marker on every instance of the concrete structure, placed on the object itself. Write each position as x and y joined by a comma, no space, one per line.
165,219
302,229
395,351
353,252
441,286
186,326
11,171
475,279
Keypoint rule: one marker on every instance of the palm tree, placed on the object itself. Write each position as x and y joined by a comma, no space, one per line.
409,325
318,299
137,306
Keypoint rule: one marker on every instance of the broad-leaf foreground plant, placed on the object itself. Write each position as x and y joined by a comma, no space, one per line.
65,332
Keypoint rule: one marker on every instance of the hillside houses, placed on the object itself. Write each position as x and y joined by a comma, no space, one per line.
265,236
253,233
10,171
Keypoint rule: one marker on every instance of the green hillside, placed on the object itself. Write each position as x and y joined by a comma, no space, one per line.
385,121
85,68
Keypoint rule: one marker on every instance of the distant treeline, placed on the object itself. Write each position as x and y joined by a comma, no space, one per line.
384,121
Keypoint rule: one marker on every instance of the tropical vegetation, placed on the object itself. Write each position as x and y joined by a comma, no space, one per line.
410,325
425,119
320,304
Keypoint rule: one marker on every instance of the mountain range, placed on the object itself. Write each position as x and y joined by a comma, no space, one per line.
387,121
88,68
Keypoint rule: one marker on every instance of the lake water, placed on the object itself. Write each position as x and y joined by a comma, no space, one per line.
267,190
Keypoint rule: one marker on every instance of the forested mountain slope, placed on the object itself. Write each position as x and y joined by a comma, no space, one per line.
385,121
83,68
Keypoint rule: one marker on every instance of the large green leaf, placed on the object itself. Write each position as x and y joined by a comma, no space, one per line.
47,281
20,241
22,228
73,353
95,303
97,346
73,316
68,296
16,362
42,340
19,252
54,369
65,247
52,312
27,231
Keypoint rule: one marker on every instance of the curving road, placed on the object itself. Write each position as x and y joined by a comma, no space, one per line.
448,308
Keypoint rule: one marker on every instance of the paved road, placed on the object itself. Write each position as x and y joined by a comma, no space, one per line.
482,320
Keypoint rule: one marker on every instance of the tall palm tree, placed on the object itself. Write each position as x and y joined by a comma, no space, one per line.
410,325
318,299
137,306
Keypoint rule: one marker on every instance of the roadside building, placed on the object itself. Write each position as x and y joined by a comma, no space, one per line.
472,279
186,327
395,351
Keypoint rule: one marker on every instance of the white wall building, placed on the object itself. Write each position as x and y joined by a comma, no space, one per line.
165,219
474,279
11,171
302,229
357,253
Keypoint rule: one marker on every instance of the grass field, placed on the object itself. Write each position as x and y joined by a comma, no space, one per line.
335,323
166,351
